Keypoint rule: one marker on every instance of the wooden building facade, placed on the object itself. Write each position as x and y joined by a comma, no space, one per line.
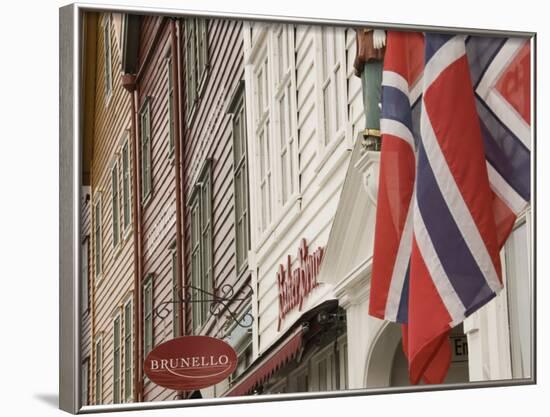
166,223
107,247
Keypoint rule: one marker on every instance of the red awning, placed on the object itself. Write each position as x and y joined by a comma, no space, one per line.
275,360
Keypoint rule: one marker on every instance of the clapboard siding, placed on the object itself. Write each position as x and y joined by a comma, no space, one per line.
209,136
159,209
321,175
107,294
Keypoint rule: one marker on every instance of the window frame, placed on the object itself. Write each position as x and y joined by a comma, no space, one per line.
202,284
241,182
115,204
128,363
170,99
98,239
108,58
146,151
327,356
85,275
126,185
117,356
266,123
339,90
85,382
196,57
98,371
148,324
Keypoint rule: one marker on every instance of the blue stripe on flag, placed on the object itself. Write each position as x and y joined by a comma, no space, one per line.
396,106
434,41
403,310
481,50
505,152
448,242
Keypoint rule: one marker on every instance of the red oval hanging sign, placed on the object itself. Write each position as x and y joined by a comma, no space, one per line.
190,362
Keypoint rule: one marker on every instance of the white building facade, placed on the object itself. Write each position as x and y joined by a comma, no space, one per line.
313,195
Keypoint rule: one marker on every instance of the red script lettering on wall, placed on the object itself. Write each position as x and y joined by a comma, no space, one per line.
295,284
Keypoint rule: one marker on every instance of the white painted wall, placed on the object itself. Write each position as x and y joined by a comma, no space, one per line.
321,171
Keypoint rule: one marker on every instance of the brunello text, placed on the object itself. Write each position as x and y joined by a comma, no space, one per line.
295,284
189,362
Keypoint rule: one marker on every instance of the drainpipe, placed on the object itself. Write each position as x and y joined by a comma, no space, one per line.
177,169
129,83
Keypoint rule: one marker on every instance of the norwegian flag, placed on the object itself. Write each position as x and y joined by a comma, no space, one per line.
454,175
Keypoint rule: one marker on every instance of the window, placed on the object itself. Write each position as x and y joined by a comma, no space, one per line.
84,275
128,350
115,204
116,360
85,382
285,110
145,151
126,184
324,370
170,99
240,338
98,247
275,143
148,315
333,83
264,144
107,57
201,245
518,280
196,59
175,293
98,372
242,220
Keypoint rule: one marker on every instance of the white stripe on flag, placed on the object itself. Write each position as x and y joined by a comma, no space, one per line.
446,291
397,129
452,50
400,267
498,104
396,80
457,206
506,193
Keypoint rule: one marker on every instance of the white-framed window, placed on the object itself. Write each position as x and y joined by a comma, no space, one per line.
274,123
146,157
285,110
196,60
126,203
98,371
98,241
115,197
240,180
128,356
85,275
116,359
108,64
85,382
343,362
148,314
202,280
323,370
517,252
333,89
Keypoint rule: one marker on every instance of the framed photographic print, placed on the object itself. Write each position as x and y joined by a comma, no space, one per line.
258,208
